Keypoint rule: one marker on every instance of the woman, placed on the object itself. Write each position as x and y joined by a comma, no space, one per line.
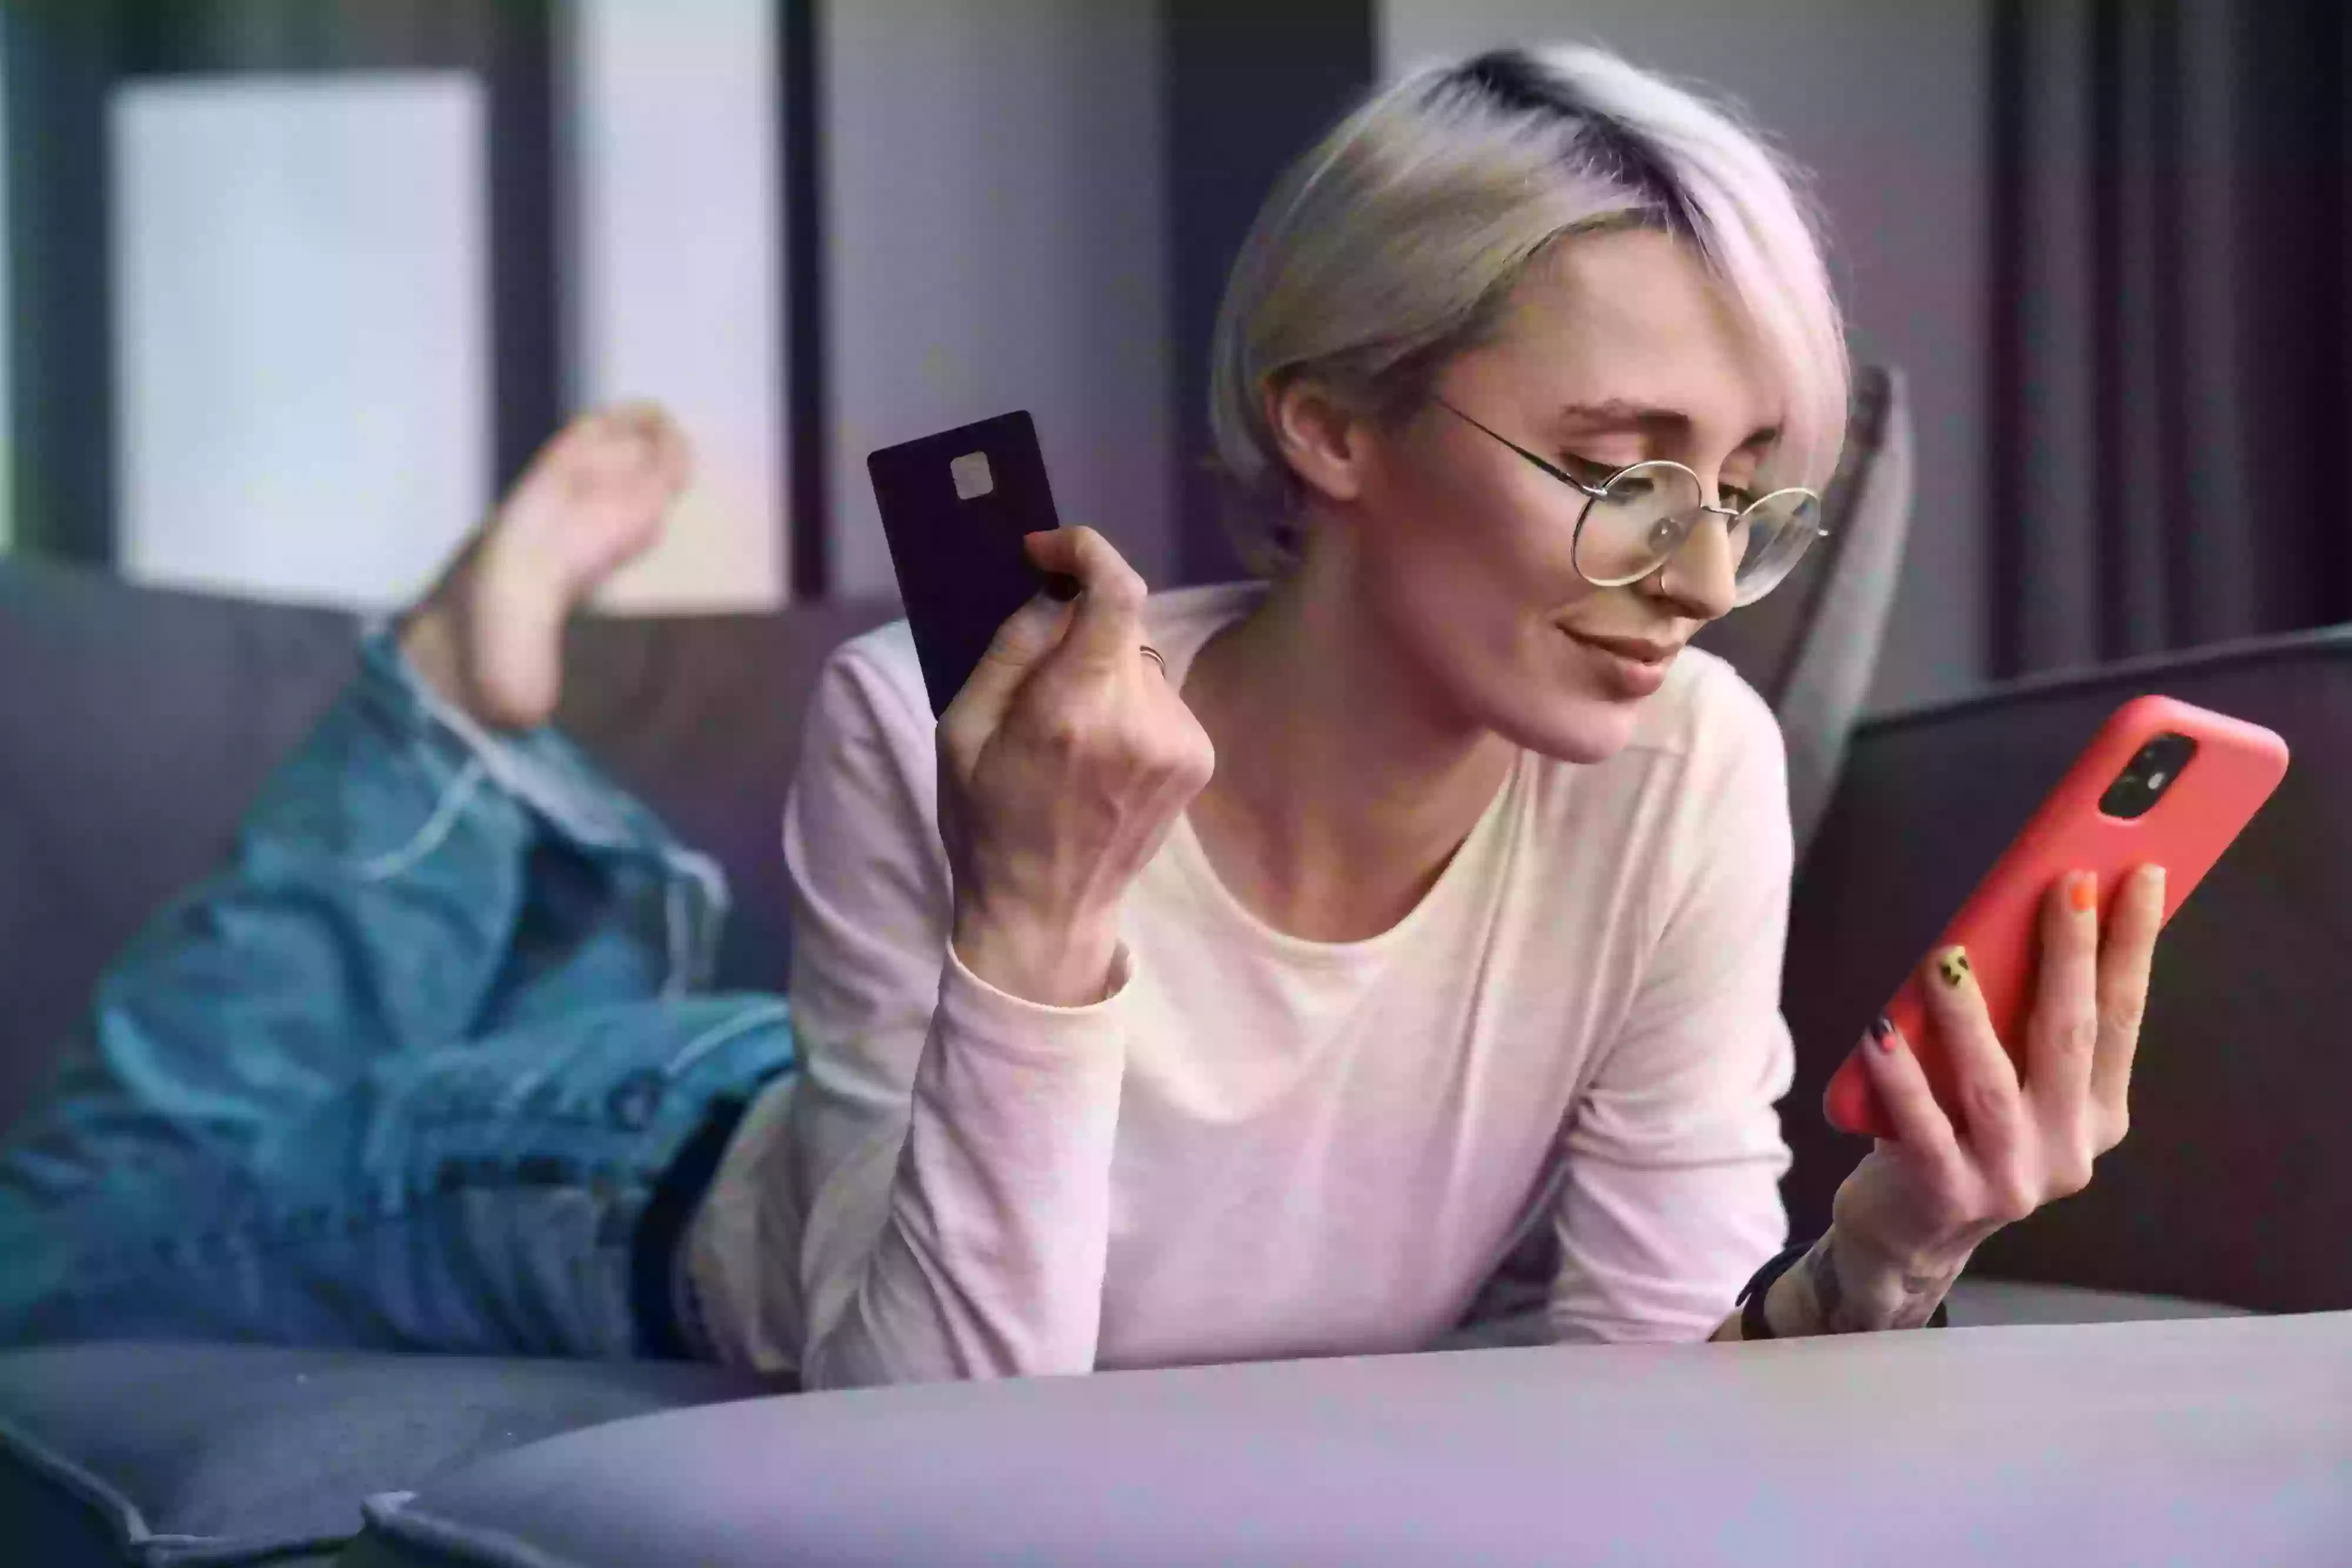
1237,972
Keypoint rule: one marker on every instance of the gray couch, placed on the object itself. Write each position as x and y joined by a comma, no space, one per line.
133,725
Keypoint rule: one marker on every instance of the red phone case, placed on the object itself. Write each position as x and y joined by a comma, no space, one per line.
2235,767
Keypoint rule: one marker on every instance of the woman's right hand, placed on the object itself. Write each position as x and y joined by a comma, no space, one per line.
1063,761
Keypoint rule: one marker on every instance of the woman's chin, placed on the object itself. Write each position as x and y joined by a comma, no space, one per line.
1577,727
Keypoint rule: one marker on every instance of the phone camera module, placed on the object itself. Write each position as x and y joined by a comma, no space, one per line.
2153,771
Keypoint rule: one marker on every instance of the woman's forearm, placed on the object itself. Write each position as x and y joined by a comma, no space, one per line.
978,1248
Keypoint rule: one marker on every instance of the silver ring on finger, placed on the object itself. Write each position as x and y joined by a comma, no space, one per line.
1154,654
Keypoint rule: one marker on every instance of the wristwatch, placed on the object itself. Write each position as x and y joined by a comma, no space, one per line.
1752,1321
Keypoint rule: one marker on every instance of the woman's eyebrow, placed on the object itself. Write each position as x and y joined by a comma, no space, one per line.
1623,413
1619,410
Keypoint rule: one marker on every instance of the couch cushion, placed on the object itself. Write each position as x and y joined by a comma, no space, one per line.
157,715
2222,1442
700,717
161,1454
1985,1303
124,764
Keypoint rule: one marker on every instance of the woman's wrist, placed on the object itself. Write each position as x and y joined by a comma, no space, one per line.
1053,963
1843,1285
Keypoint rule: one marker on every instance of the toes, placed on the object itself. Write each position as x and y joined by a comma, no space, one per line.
605,480
655,438
641,422
675,454
630,442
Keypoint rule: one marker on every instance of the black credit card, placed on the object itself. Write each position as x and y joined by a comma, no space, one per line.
954,507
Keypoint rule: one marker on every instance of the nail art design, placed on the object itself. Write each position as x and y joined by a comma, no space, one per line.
2085,892
1953,963
1883,1032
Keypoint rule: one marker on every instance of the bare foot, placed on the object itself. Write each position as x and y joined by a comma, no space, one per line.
490,634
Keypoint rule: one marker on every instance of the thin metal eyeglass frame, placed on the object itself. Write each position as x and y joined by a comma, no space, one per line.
1592,493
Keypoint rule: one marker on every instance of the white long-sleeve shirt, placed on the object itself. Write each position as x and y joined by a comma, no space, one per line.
1259,1146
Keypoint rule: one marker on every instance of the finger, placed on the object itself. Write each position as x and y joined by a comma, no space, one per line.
2062,1033
1109,626
1990,1115
1906,1098
1021,643
2125,961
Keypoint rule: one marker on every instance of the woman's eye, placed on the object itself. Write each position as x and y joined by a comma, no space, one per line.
1586,469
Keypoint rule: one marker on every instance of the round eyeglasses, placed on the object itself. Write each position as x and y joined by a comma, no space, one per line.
1634,522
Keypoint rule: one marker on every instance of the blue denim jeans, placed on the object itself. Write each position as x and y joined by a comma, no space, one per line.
427,1067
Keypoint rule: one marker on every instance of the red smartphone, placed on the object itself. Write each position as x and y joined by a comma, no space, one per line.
2162,782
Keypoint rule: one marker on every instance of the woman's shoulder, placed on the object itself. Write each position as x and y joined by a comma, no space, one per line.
882,662
877,674
886,651
1707,710
1207,607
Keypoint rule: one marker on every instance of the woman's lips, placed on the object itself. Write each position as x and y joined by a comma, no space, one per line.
1630,666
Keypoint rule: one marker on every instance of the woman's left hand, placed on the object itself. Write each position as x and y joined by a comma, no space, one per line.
1906,1220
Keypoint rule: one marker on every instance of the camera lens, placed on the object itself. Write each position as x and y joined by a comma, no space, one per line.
2142,782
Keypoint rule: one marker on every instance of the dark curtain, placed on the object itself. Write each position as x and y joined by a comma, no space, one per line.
2171,351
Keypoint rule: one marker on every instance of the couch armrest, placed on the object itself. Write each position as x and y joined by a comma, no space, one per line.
2235,1184
2220,1441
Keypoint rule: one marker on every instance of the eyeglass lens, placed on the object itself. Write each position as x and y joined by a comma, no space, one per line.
1648,511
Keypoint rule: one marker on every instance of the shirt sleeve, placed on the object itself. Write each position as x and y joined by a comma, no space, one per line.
950,1144
1675,1154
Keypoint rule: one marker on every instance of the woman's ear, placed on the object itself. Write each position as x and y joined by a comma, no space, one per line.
1324,442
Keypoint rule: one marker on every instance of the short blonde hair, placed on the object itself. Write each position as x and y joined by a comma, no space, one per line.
1394,243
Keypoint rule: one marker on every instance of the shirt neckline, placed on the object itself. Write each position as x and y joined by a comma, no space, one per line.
1190,857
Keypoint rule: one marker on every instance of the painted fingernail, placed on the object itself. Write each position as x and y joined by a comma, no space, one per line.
1952,963
2085,892
1883,1033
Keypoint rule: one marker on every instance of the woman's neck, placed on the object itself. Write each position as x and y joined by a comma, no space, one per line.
1344,782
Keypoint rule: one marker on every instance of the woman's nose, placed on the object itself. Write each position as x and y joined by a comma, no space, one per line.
1697,580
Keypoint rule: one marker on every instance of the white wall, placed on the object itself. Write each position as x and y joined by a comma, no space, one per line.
301,357
302,300
673,252
1885,101
996,241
